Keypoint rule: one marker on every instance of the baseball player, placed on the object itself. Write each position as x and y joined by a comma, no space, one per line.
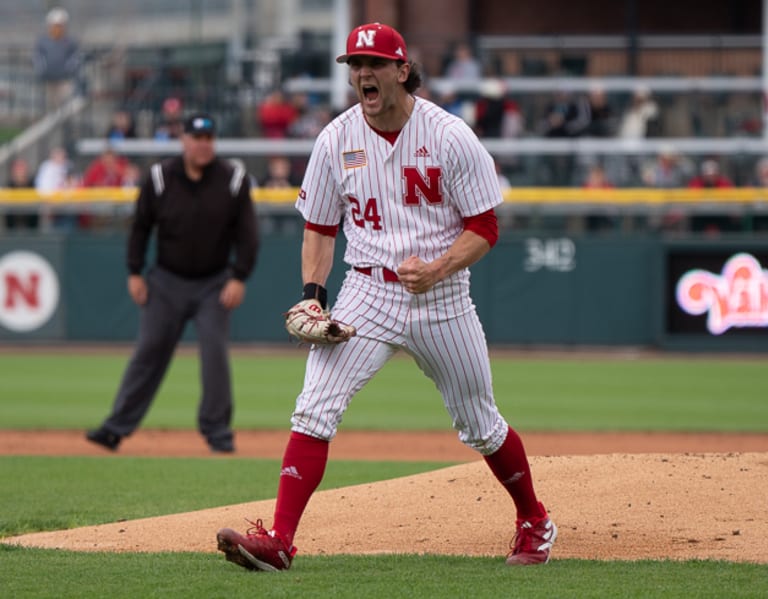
416,191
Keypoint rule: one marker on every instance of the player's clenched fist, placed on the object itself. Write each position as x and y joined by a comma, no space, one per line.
309,323
416,275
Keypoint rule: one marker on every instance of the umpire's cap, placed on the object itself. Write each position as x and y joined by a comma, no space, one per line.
200,123
375,39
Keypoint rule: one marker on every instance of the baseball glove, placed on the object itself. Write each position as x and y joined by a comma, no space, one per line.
309,323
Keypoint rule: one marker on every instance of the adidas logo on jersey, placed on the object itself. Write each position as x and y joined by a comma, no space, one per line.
422,152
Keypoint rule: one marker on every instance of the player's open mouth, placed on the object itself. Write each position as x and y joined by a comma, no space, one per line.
370,93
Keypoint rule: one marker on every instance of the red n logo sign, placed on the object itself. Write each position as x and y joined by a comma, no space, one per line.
29,291
417,187
15,288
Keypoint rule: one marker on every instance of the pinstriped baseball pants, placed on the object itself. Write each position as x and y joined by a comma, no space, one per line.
439,329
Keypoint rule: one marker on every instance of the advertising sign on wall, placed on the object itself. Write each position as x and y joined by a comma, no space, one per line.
717,293
29,291
32,291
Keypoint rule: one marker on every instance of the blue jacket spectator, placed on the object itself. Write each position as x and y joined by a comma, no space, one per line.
57,60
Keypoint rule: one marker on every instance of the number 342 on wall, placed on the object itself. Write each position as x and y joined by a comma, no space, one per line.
557,254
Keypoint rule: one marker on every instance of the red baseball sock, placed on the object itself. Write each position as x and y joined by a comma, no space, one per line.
304,463
510,466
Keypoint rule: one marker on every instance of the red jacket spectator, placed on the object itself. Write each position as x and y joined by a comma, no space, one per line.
710,177
276,114
597,179
108,170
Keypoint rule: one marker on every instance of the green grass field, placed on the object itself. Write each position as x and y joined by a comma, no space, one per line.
75,391
699,394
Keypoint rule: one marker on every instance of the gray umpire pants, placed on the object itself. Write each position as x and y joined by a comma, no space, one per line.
171,303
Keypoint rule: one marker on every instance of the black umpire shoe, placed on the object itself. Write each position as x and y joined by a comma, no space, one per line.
104,438
225,445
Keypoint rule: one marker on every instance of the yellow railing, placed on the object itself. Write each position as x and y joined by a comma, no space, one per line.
119,195
521,195
639,195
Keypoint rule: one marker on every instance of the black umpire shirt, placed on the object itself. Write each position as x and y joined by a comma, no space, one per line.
199,223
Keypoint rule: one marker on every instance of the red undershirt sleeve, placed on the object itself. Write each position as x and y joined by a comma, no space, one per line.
485,225
329,230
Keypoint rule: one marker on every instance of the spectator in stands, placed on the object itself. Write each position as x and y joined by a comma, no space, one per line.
171,121
710,176
107,170
497,116
576,115
310,118
57,60
53,174
276,114
761,173
668,170
639,118
597,178
449,99
20,177
131,175
513,122
760,221
601,117
566,115
490,109
607,217
463,66
279,173
121,127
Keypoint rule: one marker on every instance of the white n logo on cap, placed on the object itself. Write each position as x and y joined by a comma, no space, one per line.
365,39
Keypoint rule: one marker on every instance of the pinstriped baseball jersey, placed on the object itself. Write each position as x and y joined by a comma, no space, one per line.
403,199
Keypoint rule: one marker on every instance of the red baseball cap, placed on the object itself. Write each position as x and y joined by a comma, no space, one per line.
375,39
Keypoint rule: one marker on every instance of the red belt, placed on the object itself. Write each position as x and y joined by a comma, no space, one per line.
390,276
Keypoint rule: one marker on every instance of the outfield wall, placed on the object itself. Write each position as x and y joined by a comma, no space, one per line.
559,290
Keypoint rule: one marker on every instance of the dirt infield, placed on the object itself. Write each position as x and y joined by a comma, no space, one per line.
394,446
613,496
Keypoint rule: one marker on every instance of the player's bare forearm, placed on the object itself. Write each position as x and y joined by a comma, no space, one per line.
418,276
316,257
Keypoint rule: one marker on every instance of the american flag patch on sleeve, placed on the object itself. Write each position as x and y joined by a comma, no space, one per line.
354,159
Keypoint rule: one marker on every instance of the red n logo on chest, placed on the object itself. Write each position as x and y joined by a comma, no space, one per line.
416,186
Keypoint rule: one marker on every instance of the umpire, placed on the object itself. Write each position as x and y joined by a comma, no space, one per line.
207,242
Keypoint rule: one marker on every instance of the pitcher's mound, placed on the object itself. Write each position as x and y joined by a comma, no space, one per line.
614,506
